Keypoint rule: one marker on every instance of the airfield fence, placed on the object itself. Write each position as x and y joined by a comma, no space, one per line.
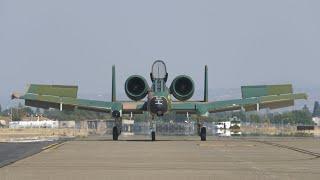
167,128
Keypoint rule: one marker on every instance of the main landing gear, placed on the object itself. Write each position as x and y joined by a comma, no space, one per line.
115,134
116,130
203,134
202,131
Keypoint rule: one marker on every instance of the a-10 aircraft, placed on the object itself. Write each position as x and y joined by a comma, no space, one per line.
159,99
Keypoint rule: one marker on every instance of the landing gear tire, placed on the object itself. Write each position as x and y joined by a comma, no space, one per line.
115,134
203,134
153,136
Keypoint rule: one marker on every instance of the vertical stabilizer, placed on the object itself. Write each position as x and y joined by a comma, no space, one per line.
113,96
205,93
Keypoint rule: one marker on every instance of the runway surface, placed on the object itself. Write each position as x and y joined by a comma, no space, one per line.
11,152
172,158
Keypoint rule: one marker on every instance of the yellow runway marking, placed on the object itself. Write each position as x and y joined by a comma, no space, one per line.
52,146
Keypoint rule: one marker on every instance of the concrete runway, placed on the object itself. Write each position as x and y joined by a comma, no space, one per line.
172,158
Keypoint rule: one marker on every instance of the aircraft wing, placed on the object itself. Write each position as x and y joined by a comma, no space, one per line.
63,98
253,98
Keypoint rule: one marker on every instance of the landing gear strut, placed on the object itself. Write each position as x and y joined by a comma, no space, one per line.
202,131
153,129
203,134
153,136
116,130
115,134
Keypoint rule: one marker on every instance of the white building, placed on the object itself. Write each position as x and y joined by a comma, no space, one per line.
3,123
34,124
316,120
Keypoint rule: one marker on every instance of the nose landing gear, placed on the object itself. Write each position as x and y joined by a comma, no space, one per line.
153,129
153,136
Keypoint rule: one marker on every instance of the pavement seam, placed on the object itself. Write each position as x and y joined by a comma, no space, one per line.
303,151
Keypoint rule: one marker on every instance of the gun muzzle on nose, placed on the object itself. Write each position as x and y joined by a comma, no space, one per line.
158,106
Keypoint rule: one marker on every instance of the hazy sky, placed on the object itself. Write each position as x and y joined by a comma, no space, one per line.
76,42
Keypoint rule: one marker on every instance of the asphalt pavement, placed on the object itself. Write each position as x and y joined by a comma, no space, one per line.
12,152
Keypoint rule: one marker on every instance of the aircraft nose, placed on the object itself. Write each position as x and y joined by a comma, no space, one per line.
158,105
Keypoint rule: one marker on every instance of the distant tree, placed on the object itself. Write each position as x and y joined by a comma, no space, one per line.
20,105
254,118
38,111
294,117
306,109
0,109
266,119
316,109
241,115
27,111
17,114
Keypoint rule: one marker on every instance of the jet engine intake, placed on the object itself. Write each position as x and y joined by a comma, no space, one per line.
136,87
182,88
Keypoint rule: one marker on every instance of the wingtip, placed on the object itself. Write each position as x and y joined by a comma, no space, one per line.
15,96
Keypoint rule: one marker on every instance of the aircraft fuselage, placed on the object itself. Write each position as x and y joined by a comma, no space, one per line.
159,97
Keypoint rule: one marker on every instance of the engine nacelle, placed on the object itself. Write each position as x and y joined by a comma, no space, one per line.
136,87
182,88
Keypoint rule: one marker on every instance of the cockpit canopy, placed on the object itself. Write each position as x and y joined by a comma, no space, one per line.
159,71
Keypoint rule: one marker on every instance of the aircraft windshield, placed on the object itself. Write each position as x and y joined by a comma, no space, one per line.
159,70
